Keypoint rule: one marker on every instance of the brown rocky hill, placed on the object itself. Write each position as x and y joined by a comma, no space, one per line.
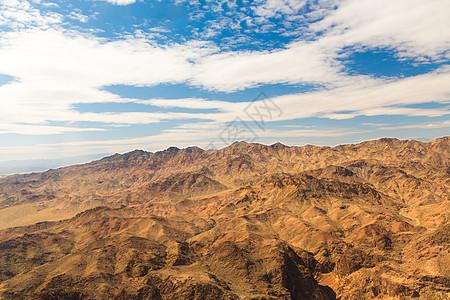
363,221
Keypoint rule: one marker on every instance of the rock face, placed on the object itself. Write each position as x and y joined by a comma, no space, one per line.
364,221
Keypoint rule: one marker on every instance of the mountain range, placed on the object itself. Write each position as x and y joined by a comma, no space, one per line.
249,221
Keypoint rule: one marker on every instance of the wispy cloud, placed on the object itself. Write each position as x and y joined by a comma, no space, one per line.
41,129
270,8
121,2
77,15
430,125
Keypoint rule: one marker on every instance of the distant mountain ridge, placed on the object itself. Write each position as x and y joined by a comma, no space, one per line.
248,221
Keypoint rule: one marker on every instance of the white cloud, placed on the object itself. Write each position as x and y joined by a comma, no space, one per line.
375,99
41,130
270,8
18,14
121,2
75,60
54,70
302,62
368,98
413,28
430,125
193,103
77,15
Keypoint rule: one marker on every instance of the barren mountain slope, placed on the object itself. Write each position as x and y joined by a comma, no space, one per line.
248,221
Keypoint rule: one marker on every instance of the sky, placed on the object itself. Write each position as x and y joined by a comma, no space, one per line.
86,77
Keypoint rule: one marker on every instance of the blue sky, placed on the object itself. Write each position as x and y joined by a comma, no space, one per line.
84,77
